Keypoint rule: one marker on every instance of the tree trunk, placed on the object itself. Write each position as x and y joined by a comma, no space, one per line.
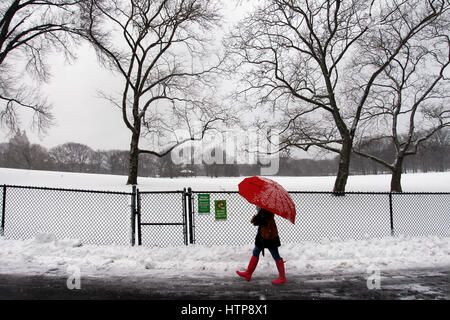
396,185
4,30
344,168
134,159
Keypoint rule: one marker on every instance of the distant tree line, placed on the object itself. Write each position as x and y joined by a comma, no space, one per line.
432,156
75,157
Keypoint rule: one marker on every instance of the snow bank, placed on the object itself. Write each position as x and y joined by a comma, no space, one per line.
46,255
429,182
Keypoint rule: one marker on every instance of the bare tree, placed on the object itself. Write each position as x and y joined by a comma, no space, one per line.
18,153
116,161
409,100
71,156
29,30
159,49
296,55
437,148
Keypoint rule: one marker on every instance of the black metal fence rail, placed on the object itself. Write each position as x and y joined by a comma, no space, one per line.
171,218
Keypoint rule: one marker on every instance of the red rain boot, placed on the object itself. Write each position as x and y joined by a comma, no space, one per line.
250,269
282,275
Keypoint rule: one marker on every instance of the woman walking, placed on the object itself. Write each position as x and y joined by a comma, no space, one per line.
267,237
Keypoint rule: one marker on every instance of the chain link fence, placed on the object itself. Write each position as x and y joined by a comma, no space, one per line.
94,217
173,218
355,215
421,214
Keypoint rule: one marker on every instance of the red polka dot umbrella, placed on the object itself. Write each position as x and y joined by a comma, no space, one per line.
268,194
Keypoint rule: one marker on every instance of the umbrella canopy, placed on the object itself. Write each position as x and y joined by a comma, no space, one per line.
268,194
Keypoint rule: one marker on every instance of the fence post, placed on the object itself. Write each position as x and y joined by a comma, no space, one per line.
185,226
191,218
391,213
133,215
138,213
2,226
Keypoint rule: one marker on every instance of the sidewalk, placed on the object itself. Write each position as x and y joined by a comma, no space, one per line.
402,284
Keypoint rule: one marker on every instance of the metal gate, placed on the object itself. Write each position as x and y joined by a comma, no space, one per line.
161,218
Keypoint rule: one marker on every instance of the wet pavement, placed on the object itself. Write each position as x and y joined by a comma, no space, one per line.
423,284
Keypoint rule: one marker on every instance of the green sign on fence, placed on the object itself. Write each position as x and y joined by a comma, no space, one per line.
220,209
203,203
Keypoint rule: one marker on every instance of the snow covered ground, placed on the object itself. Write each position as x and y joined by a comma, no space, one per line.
418,182
45,254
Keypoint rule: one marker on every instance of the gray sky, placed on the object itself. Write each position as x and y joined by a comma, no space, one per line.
81,115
